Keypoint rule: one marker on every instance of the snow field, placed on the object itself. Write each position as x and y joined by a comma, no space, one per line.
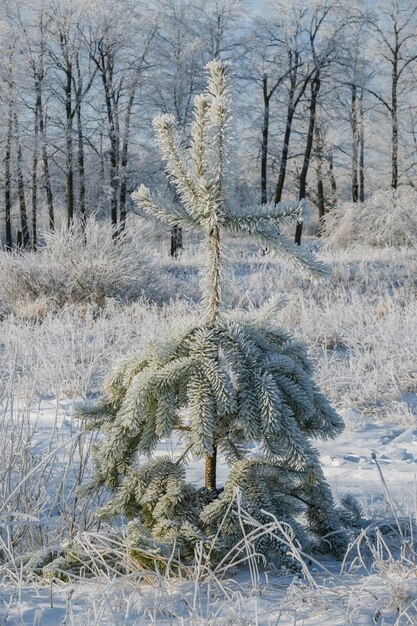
361,326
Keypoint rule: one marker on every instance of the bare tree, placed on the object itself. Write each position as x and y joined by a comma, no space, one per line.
325,34
190,34
395,25
21,183
62,55
296,53
66,48
121,57
8,148
272,68
33,27
326,194
276,64
141,66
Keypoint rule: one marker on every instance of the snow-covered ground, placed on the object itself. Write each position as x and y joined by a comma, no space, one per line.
362,329
328,598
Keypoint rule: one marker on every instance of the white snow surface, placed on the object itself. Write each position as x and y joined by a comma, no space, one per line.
355,598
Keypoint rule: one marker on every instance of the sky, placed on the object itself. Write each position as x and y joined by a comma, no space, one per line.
257,6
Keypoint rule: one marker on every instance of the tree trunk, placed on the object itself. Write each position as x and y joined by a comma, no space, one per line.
213,310
320,195
333,184
45,163
354,126
19,240
42,151
293,102
106,69
124,159
315,88
215,293
394,122
113,175
81,168
211,470
361,150
284,153
319,170
21,187
116,150
102,168
35,159
264,147
298,233
69,191
7,175
176,241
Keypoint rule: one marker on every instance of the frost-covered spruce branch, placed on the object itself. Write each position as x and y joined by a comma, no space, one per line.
220,383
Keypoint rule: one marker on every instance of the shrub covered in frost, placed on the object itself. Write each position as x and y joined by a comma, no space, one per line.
387,218
76,266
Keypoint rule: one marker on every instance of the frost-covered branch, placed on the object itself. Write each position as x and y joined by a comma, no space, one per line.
170,213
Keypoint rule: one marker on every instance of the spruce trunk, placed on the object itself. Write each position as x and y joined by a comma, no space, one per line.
214,303
211,470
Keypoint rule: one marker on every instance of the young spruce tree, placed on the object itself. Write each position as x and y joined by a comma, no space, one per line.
217,385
